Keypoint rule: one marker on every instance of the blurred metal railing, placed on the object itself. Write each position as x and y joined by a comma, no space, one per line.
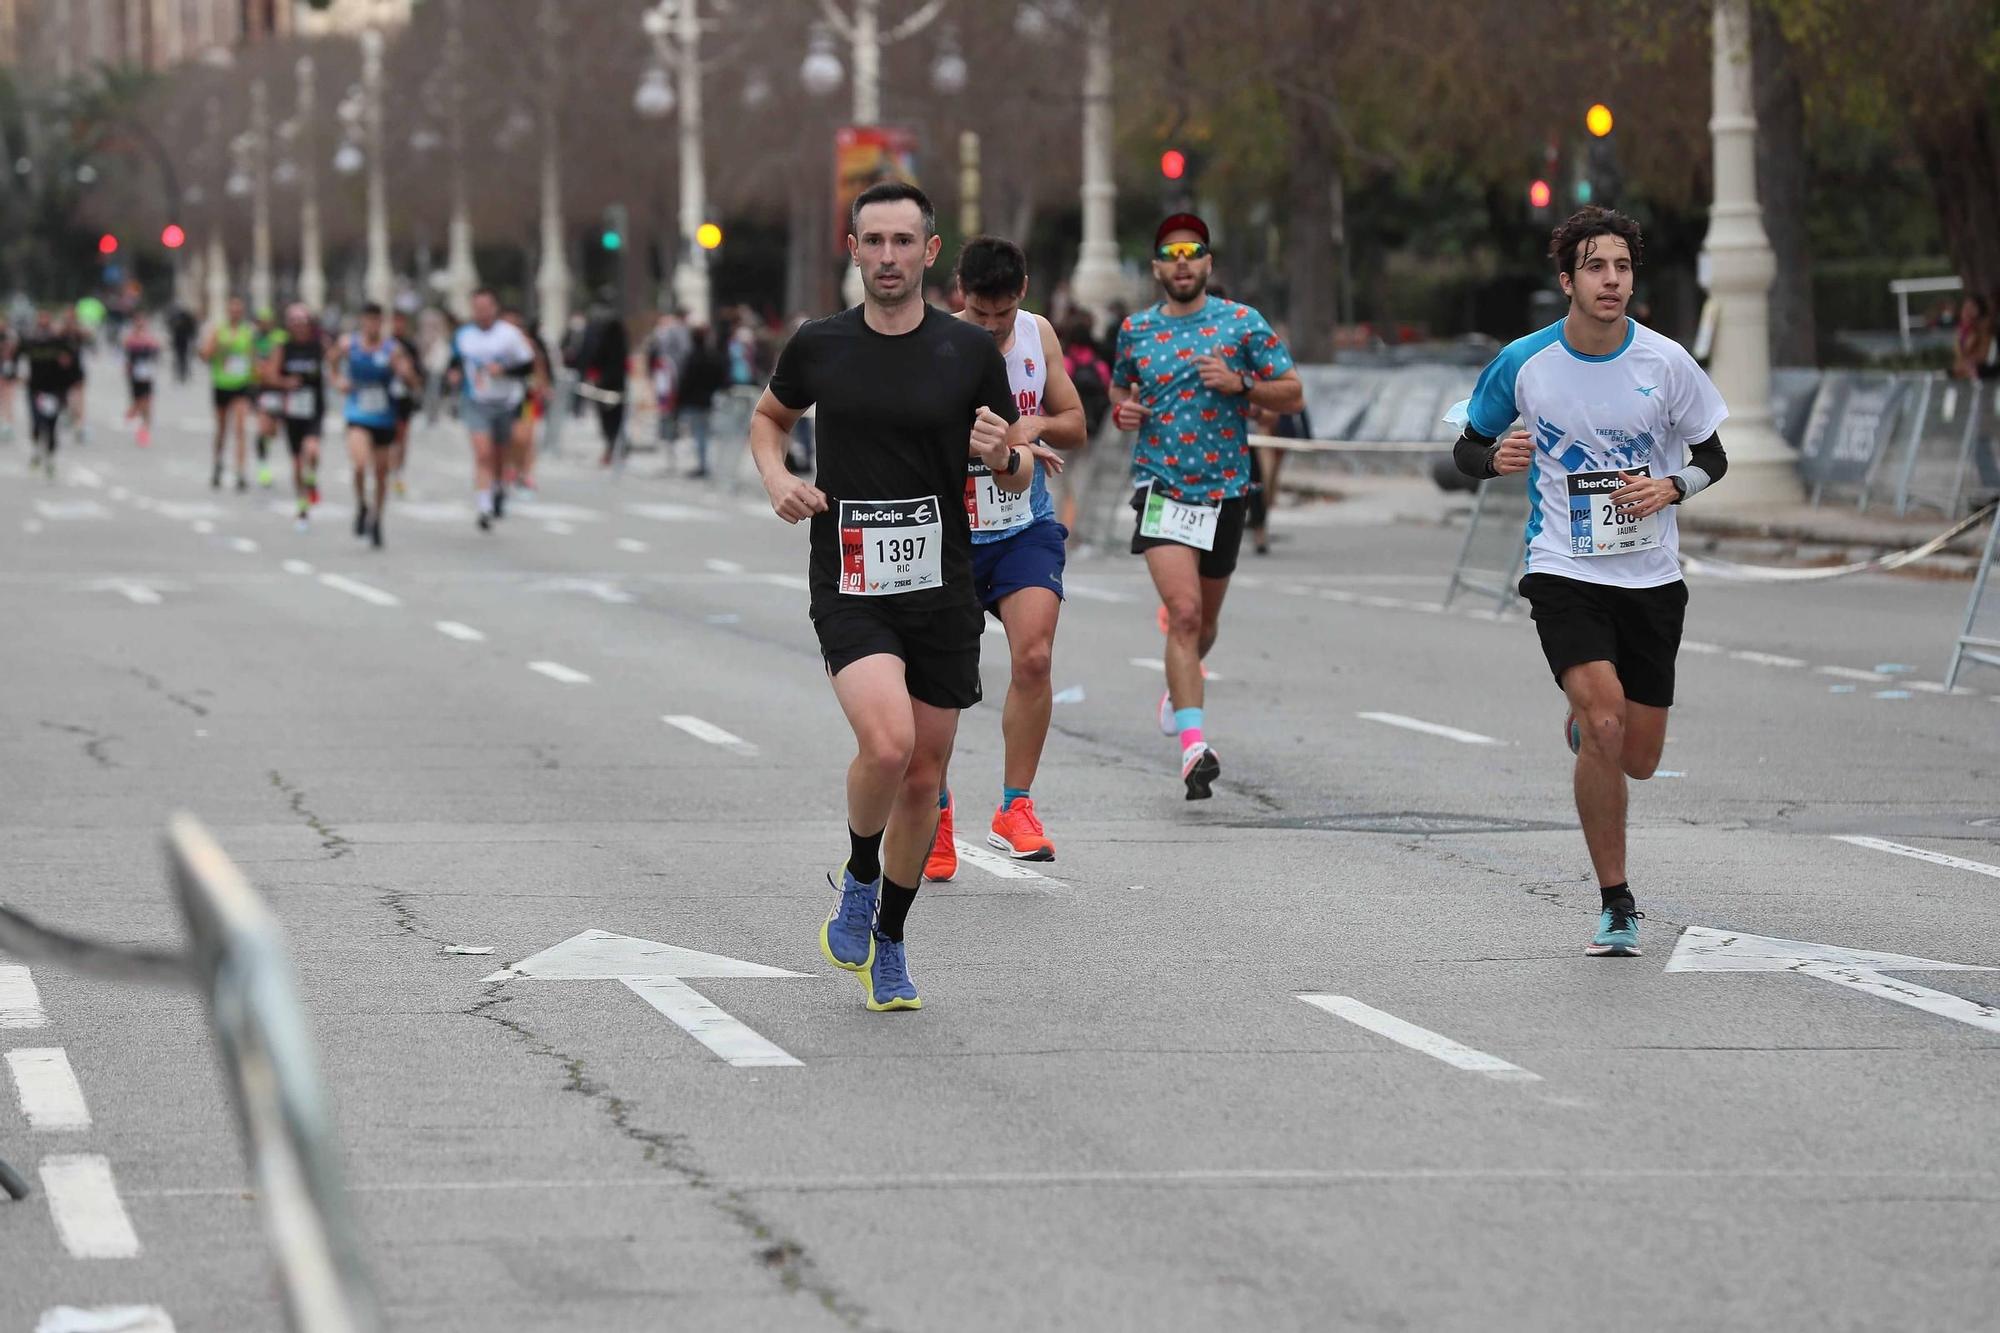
238,961
1979,638
1495,543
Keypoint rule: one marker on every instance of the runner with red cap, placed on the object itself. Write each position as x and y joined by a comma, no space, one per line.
1186,375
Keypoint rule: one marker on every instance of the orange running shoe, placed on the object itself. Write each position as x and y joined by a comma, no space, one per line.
943,861
1018,832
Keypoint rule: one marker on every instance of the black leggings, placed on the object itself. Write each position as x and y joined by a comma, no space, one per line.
44,428
611,421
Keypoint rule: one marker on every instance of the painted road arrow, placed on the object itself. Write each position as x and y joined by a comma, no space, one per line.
1704,950
657,974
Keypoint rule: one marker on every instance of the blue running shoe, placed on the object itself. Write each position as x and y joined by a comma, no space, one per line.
1617,933
848,936
887,977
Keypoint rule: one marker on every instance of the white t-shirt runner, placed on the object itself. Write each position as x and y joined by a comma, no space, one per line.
1636,410
991,512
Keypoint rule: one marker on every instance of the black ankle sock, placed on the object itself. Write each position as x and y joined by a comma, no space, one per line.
894,910
864,856
1618,895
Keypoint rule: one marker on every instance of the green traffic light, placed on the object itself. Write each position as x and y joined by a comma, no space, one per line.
611,240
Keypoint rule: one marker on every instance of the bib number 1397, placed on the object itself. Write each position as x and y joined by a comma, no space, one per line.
1597,526
890,546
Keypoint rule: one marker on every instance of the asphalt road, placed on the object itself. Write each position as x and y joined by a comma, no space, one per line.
1116,1110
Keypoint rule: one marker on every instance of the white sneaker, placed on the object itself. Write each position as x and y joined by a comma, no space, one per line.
1167,727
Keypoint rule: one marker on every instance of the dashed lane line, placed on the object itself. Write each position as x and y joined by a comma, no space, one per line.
703,730
355,588
83,1199
1430,728
50,1096
633,545
463,633
1919,854
558,672
1435,1045
105,1319
723,566
20,1002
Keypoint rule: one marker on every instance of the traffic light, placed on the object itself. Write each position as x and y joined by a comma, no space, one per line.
613,239
1539,195
172,236
1173,164
708,236
107,245
1598,120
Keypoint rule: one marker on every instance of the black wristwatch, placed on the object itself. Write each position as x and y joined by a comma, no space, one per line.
1248,385
1680,486
1013,461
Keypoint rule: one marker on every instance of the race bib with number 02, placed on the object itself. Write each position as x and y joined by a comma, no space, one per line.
371,400
890,546
301,405
1174,521
990,509
1597,526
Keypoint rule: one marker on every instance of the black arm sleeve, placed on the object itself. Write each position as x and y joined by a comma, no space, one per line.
1474,454
1708,456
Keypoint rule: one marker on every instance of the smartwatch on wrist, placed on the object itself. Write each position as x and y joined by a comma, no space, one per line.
1680,488
1248,385
1013,461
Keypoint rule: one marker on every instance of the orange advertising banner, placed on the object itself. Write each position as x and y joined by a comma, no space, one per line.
863,155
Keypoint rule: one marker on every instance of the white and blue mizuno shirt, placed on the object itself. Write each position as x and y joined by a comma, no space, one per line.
1637,410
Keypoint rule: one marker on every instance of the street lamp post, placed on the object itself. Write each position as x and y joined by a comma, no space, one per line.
1097,280
312,267
461,277
216,262
378,280
675,29
260,196
552,279
1762,469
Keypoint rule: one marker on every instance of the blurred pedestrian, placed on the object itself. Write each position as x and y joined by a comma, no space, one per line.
602,362
705,375
181,328
1973,355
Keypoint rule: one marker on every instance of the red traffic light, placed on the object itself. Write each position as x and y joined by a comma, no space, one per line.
107,244
172,236
1539,194
1173,164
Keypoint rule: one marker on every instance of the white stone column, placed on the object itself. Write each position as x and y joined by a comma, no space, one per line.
691,284
260,197
378,280
1097,280
552,280
1763,469
461,275
312,265
216,264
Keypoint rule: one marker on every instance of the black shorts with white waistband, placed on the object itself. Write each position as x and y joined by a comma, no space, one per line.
939,648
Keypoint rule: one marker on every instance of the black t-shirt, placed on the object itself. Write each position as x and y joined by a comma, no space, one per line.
305,360
895,418
52,363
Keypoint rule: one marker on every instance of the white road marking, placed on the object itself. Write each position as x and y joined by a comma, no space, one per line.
59,511
673,513
51,1098
557,528
1935,687
796,582
1697,646
20,1002
634,545
463,633
89,1216
1433,1044
105,1319
355,588
83,476
1919,854
202,527
695,1014
557,671
1851,673
1767,659
703,730
1430,728
1093,594
1894,694
130,589
723,566
298,567
609,593
993,863
243,544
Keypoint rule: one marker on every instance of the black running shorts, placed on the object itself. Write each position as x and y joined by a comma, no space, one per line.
224,397
1637,630
379,437
939,648
298,431
1219,562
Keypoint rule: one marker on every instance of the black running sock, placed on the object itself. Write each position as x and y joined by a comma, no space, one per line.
1618,896
864,856
895,909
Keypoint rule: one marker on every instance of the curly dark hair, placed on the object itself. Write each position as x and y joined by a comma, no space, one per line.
1566,242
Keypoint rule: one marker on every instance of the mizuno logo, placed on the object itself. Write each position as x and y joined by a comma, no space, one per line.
1646,390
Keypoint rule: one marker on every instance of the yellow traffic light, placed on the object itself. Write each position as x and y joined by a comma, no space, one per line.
708,236
1598,120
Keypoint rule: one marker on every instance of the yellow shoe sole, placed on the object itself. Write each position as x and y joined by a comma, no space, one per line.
826,948
868,989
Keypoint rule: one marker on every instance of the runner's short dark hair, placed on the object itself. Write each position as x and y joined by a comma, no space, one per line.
992,267
478,292
1566,242
372,308
889,192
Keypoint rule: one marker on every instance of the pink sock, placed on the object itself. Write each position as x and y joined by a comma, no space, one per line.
1190,736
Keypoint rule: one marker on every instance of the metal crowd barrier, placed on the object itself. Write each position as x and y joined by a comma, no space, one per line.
1979,638
237,959
1489,563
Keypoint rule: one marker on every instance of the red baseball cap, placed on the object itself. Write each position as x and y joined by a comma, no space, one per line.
1181,222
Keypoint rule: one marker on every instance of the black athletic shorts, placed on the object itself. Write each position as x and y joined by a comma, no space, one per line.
1216,563
1637,630
224,397
939,648
298,431
381,437
141,390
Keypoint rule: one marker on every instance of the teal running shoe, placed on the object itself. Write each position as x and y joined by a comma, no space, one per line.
887,978
848,936
1617,933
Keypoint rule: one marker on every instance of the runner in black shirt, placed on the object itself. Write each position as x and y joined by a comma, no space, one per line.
899,388
51,358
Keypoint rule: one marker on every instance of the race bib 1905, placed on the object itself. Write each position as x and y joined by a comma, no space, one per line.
301,405
371,400
990,509
1173,521
1599,527
890,546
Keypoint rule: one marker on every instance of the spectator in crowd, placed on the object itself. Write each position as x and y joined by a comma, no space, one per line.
705,375
602,357
1974,354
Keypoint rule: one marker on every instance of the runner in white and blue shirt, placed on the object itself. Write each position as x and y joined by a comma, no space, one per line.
490,362
1018,550
1614,425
